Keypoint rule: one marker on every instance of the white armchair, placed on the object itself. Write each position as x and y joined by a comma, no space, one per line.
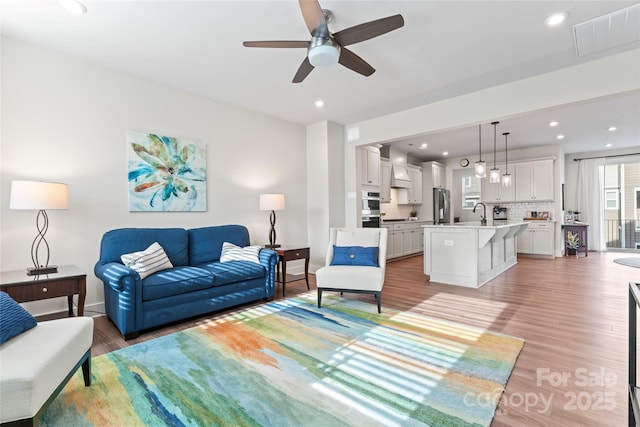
355,278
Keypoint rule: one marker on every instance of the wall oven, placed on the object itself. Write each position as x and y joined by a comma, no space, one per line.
370,203
370,209
371,221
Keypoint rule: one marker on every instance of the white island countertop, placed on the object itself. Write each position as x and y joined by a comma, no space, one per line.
469,253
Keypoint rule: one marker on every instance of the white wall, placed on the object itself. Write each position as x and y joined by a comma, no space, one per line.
67,120
325,177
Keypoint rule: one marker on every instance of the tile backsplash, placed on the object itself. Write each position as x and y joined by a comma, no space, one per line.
516,211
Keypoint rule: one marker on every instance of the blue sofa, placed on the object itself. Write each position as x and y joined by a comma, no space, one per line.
197,284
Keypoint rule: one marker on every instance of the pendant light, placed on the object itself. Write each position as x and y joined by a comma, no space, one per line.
494,176
506,177
481,167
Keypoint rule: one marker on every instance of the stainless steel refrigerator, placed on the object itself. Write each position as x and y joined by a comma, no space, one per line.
441,205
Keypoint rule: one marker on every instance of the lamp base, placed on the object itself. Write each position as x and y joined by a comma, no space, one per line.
272,246
32,271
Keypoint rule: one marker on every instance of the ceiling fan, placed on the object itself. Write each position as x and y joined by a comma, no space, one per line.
326,49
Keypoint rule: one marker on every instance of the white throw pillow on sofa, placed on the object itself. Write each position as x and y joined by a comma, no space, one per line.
231,252
149,261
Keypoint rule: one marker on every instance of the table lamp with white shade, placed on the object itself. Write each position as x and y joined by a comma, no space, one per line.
40,196
272,202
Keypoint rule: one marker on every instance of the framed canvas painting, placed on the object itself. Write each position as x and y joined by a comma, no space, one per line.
166,174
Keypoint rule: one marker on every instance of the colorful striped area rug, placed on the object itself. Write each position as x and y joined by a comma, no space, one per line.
288,363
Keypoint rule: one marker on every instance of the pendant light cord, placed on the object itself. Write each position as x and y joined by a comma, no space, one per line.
480,142
494,143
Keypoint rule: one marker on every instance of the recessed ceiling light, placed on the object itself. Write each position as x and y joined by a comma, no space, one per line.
553,123
561,136
73,6
423,145
556,19
319,103
613,129
608,145
446,153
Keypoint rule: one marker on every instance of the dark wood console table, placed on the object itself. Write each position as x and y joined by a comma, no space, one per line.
68,281
582,229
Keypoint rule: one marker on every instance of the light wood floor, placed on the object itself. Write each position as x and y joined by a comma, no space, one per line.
572,313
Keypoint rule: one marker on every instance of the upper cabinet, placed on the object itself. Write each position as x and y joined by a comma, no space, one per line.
370,165
413,194
434,175
534,181
438,175
385,181
531,181
496,192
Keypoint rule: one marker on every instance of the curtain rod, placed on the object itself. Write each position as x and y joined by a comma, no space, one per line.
606,157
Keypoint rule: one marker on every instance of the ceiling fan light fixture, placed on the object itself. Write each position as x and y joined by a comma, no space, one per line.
325,54
74,7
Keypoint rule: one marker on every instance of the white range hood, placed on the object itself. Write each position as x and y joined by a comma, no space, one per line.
400,177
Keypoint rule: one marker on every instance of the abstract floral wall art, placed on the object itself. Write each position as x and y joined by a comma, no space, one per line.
166,174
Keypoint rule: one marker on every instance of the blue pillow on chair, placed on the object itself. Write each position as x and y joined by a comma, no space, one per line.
14,319
355,255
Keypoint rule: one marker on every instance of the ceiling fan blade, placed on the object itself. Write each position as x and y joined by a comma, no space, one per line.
277,43
303,71
312,14
355,63
368,30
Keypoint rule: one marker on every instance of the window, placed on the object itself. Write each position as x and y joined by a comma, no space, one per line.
611,200
470,191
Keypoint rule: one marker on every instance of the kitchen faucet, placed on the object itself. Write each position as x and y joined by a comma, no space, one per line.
483,221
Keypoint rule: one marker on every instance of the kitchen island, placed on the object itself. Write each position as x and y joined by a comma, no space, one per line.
468,253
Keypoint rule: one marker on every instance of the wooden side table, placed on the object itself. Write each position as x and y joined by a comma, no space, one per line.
290,253
582,229
68,281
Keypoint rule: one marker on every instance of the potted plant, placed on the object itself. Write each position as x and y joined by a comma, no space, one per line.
573,241
413,215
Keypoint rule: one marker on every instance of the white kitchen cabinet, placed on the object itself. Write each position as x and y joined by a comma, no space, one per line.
534,181
537,239
412,195
404,239
497,193
415,240
415,192
438,175
385,181
370,165
397,237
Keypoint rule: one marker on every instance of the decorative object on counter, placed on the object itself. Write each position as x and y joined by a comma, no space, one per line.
537,215
272,202
506,177
481,167
569,217
413,216
40,196
494,176
573,242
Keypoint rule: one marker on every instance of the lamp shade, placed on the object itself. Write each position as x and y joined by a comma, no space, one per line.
38,195
272,202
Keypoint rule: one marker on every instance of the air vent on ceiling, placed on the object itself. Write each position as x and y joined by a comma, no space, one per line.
608,31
